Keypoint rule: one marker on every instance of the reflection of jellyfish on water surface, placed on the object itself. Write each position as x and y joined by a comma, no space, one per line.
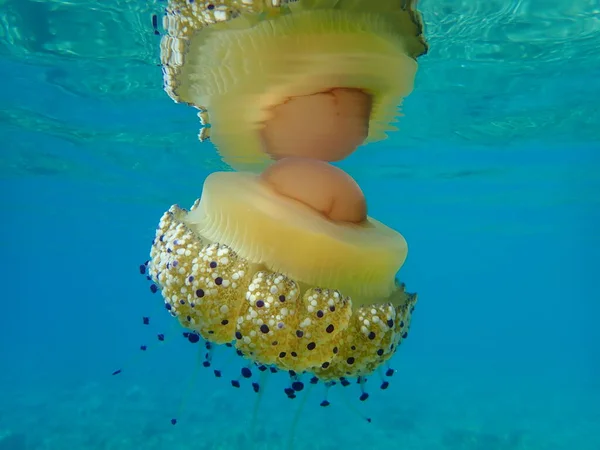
280,260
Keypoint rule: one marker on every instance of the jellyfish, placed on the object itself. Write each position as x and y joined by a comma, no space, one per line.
279,258
293,288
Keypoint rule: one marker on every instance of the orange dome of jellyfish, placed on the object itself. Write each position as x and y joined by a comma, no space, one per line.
281,260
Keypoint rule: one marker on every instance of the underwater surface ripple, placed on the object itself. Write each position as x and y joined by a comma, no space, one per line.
493,177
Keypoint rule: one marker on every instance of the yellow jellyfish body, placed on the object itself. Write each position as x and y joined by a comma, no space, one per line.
236,60
289,287
286,264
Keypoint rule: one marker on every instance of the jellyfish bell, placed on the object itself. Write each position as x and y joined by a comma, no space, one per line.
261,72
290,287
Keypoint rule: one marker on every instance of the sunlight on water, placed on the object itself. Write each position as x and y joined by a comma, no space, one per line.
499,74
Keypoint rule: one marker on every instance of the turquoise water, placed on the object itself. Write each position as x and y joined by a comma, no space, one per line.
493,178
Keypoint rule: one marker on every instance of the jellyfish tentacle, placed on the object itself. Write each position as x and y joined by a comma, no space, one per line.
193,377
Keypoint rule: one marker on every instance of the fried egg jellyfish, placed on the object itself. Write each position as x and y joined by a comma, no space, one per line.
292,288
281,259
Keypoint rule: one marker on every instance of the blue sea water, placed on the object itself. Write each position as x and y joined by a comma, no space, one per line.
493,178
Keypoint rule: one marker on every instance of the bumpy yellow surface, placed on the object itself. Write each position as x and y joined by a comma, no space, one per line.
273,319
